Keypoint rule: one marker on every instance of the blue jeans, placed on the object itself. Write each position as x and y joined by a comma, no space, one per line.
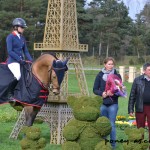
111,112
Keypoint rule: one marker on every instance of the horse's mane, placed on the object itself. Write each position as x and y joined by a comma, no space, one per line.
50,53
53,54
44,54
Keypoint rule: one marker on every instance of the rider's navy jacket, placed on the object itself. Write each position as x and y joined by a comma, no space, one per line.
17,48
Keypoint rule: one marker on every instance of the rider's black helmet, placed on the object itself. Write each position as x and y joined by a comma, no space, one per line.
19,22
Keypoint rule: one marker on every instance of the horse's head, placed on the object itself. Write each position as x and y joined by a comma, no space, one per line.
57,74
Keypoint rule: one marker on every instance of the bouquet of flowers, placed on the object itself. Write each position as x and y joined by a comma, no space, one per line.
121,118
115,86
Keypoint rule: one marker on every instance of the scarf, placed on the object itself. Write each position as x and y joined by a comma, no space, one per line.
106,73
146,77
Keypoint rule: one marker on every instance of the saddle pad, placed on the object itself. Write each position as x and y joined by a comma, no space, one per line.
29,90
6,77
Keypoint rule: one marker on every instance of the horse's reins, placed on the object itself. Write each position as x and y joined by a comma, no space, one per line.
50,76
29,77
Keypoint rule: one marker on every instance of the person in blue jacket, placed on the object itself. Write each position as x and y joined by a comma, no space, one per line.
17,53
109,108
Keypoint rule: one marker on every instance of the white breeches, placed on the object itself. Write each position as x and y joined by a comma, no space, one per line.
15,69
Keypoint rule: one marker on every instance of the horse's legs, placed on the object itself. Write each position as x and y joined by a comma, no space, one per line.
30,114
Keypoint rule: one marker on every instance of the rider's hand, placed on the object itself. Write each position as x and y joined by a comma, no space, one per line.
22,62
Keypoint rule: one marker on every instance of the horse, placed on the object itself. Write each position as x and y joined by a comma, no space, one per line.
35,82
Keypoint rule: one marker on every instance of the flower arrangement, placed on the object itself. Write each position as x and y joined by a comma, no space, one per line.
115,86
131,118
122,124
134,123
119,118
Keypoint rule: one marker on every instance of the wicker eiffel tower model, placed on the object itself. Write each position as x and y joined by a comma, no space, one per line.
60,36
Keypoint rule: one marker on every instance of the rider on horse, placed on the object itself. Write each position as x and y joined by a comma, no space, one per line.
17,49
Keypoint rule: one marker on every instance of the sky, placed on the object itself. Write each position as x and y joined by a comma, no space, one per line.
135,6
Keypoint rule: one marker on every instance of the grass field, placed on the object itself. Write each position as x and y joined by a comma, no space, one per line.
8,117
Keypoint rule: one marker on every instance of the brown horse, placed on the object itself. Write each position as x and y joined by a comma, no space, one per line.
48,70
45,71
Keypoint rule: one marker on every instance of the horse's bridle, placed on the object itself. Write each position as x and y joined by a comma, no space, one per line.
47,86
50,75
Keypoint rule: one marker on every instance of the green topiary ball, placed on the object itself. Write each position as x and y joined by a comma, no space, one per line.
134,133
89,143
32,140
33,133
78,124
103,126
25,143
89,138
70,146
70,133
103,146
42,142
86,113
132,146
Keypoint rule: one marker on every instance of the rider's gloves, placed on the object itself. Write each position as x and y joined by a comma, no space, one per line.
22,62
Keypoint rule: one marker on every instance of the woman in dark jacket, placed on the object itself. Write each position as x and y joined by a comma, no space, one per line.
109,107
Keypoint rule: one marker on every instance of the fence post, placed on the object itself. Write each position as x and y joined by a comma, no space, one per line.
141,70
122,72
132,71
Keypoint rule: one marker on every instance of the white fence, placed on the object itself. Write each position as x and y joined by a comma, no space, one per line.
127,74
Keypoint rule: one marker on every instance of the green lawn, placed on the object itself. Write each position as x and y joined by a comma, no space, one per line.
8,117
11,144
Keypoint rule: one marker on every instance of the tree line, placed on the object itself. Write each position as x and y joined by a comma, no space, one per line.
104,25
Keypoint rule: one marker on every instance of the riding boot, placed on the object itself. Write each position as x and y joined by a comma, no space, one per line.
11,88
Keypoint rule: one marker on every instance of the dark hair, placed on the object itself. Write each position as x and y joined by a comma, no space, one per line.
108,59
146,65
